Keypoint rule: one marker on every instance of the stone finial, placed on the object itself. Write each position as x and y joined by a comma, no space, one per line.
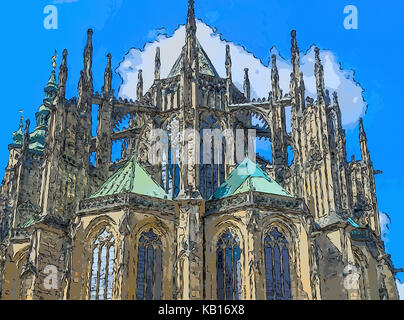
228,63
319,73
88,60
362,133
157,64
63,75
139,90
295,58
276,93
191,23
247,87
191,61
108,75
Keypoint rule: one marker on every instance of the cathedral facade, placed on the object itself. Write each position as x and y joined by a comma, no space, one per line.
219,227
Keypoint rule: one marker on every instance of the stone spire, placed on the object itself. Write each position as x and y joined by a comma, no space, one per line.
191,54
139,89
88,61
363,143
337,110
319,73
108,76
228,65
191,24
362,133
295,58
297,78
228,62
247,87
157,64
63,76
275,79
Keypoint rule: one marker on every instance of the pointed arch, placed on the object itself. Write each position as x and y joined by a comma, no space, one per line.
100,254
151,249
228,251
277,265
280,259
149,275
102,265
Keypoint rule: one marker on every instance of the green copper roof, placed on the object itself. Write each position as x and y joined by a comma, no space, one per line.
131,177
51,87
248,176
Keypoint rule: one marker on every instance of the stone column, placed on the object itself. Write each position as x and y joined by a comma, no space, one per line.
189,255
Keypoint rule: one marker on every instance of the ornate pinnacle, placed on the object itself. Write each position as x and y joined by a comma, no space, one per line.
139,85
362,133
228,63
88,60
275,79
295,59
157,64
191,24
247,88
108,75
63,75
319,73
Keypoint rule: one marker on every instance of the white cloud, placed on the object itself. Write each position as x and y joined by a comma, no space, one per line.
384,225
336,79
400,287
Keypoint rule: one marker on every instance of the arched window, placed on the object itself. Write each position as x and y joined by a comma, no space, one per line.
228,267
277,271
149,267
102,266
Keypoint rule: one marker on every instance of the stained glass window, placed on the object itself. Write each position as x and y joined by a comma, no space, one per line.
102,267
277,271
228,267
149,267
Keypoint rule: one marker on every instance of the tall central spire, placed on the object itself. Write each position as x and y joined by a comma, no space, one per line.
190,41
191,24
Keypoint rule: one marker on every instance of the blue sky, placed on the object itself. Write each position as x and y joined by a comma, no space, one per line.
374,52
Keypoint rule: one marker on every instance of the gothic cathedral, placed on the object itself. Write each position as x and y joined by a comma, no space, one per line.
301,228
